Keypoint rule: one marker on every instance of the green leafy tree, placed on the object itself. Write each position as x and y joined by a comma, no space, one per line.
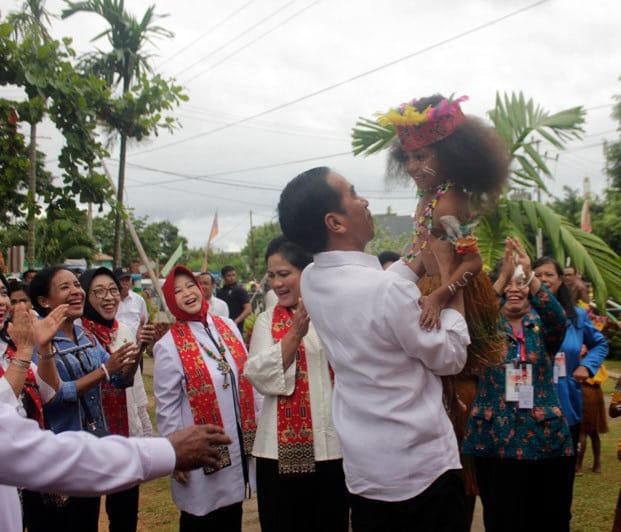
52,86
137,112
518,120
256,245
29,25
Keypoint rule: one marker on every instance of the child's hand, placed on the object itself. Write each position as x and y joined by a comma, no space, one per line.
430,312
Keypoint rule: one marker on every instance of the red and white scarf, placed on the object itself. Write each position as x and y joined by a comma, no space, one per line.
200,388
294,421
114,400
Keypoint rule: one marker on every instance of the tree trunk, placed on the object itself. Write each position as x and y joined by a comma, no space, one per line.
32,195
120,211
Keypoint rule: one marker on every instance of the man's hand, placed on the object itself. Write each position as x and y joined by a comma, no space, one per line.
196,446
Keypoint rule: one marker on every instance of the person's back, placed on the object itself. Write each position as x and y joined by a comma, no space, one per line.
381,383
400,454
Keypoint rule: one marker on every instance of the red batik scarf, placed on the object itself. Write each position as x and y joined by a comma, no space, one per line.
200,388
295,425
32,403
114,400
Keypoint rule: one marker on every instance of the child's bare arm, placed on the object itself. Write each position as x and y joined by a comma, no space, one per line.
455,273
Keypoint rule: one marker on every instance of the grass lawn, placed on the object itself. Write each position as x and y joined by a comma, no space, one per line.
595,495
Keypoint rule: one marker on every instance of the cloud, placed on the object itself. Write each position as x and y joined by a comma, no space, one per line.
354,58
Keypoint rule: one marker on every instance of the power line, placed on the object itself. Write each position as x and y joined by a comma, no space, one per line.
265,34
349,80
209,177
203,35
238,36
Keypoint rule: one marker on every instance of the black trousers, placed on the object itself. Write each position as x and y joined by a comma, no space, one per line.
122,510
511,491
226,519
81,514
304,503
440,508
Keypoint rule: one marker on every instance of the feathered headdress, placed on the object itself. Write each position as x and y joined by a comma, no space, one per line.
415,129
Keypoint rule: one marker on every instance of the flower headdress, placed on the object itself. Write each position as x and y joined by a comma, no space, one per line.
415,128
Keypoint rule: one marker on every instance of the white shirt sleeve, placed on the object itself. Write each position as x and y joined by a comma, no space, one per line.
264,367
442,350
75,462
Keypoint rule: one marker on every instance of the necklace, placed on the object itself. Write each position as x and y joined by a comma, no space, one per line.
424,221
223,366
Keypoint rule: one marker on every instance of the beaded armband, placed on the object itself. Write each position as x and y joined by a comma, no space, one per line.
461,236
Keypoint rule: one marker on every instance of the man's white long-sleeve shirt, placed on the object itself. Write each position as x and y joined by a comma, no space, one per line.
70,463
387,404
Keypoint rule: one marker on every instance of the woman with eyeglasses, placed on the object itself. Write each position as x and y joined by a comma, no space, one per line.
103,296
82,366
516,432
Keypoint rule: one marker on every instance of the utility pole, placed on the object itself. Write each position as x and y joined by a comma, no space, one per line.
252,261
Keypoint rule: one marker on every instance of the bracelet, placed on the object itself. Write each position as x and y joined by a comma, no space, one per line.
20,363
105,370
47,356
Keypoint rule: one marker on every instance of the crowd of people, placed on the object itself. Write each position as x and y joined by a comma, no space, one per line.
374,393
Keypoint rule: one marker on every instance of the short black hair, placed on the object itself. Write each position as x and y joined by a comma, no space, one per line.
388,256
303,205
226,269
290,251
15,285
40,286
213,279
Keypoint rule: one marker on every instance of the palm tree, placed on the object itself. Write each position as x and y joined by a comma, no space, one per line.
29,24
518,120
120,67
522,124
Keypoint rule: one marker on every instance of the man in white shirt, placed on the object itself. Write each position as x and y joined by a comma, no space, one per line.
77,463
133,307
217,306
400,453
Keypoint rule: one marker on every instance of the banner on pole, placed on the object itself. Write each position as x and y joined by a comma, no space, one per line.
172,260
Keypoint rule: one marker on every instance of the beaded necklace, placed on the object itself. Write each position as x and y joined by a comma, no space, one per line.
425,219
223,366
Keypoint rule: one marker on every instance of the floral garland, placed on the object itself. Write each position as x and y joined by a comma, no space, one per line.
425,219
408,115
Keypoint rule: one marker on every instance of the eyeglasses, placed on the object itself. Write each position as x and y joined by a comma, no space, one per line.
101,293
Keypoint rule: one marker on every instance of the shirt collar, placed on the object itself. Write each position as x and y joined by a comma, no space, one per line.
328,259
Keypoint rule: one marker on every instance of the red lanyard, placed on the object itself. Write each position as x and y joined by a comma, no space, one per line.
519,336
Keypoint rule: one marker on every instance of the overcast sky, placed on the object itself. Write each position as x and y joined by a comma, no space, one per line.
275,87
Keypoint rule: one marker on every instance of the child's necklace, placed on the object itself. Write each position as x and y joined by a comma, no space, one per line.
424,221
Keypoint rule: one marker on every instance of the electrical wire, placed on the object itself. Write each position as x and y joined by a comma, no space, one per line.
346,81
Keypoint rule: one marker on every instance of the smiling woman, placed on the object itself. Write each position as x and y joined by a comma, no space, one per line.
299,459
516,431
197,380
83,366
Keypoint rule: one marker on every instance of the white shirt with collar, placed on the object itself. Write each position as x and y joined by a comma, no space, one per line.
218,307
396,436
72,462
130,311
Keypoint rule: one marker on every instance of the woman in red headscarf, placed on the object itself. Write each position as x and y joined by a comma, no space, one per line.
197,380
